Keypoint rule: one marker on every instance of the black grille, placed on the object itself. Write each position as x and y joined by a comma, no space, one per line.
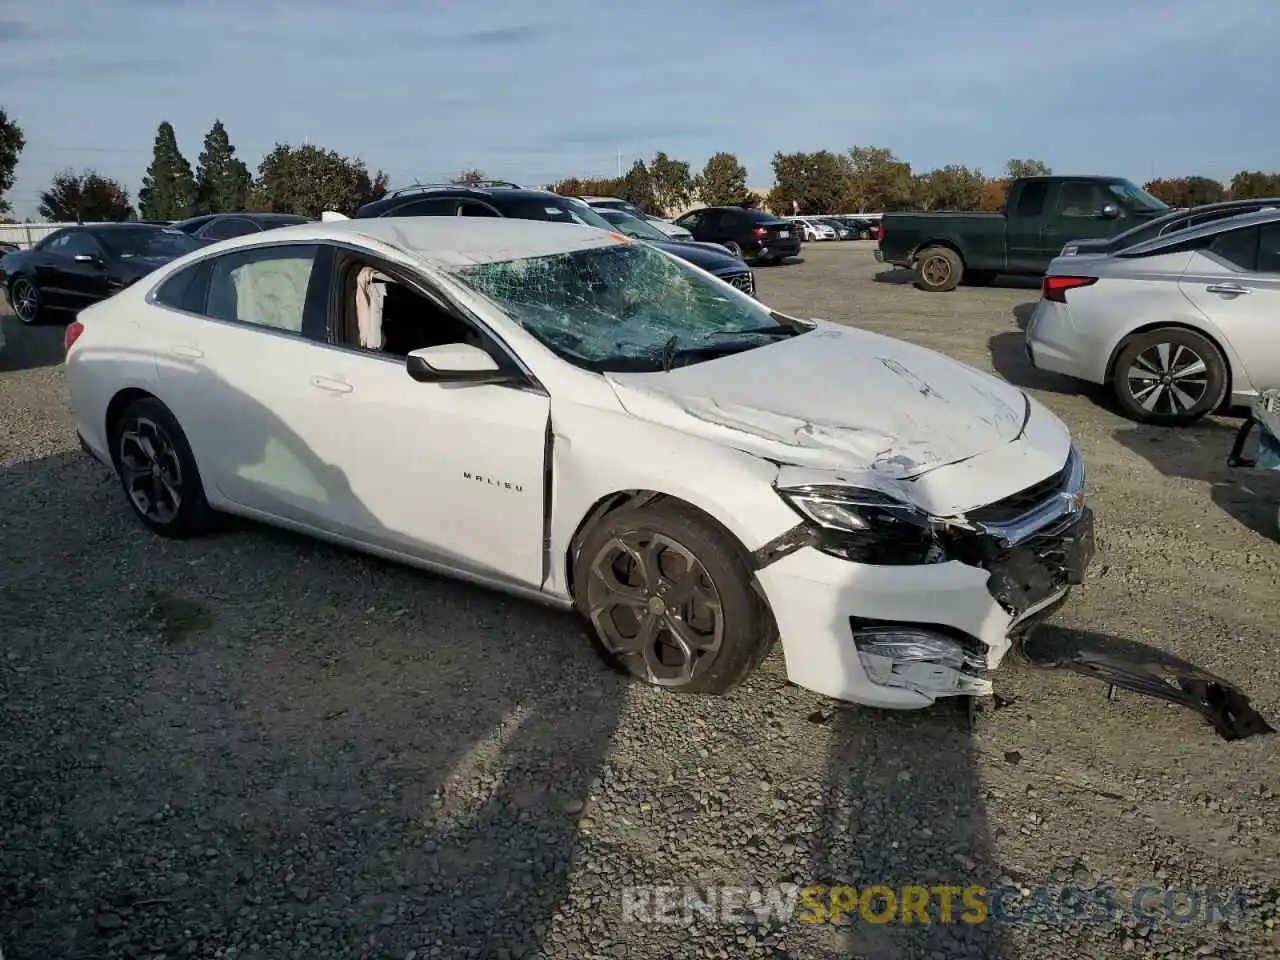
1014,506
743,281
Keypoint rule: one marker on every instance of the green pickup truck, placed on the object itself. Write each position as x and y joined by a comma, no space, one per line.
1042,215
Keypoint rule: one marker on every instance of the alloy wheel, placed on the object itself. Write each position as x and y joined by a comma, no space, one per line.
1167,378
936,271
151,470
655,607
26,300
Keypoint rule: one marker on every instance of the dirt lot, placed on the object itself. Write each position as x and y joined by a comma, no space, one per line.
259,747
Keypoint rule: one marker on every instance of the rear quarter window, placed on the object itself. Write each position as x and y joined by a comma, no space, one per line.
182,290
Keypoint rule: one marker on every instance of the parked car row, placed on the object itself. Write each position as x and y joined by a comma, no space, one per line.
836,227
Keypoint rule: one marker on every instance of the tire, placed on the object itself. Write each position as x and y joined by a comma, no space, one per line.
24,297
938,269
864,234
733,248
1149,364
672,537
148,422
979,278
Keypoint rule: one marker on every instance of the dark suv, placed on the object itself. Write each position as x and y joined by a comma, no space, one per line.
745,232
498,198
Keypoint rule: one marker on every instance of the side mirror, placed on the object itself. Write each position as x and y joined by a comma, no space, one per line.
1110,211
455,363
86,258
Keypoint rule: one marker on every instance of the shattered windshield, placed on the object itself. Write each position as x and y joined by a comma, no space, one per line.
626,306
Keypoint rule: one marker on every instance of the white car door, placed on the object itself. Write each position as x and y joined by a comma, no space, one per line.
449,473
233,368
1235,282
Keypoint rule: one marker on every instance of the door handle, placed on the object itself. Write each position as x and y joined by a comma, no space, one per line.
183,350
331,385
1228,289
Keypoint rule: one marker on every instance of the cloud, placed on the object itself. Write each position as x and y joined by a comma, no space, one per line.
536,91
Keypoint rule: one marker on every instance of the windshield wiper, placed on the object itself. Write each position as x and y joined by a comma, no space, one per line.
776,330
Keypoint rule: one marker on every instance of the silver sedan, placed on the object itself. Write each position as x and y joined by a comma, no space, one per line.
1177,326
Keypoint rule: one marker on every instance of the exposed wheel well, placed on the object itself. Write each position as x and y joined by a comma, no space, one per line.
937,243
628,498
1147,328
119,403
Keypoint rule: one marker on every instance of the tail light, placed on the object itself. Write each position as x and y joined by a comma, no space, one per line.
760,231
1055,288
879,231
74,329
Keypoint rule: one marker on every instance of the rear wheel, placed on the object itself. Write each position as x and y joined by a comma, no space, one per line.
670,600
1170,377
733,248
25,299
158,471
938,269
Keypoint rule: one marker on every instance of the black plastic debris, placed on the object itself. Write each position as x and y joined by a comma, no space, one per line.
1135,666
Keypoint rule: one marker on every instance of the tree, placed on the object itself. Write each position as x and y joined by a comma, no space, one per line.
309,180
470,176
1252,185
1187,191
1168,190
815,182
995,196
222,180
1026,168
11,143
168,189
952,187
672,184
637,187
723,181
85,198
588,187
878,180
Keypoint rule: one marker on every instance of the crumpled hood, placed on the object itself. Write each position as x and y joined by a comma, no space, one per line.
836,398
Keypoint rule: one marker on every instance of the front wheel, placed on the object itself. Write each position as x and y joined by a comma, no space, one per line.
158,471
938,269
670,600
1169,377
25,299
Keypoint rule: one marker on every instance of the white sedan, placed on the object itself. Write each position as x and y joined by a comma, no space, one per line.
559,412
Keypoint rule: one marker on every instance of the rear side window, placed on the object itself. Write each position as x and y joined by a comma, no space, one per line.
180,291
228,228
1031,200
1237,247
263,287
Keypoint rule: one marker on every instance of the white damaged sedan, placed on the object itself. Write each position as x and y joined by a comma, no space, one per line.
567,415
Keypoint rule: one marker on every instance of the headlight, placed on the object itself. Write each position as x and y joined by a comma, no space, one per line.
866,526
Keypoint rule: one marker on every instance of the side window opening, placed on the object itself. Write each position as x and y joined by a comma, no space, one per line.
1031,200
265,288
379,313
1238,247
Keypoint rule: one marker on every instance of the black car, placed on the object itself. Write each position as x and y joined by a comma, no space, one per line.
497,198
711,257
78,266
864,228
212,227
744,232
1177,220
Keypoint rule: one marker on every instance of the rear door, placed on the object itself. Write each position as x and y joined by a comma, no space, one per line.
1235,283
235,352
1024,243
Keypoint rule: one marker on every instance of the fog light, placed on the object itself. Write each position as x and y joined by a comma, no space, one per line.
917,659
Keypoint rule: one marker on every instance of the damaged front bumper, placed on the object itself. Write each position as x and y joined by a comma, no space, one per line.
900,637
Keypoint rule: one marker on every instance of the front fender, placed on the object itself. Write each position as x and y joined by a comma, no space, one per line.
596,453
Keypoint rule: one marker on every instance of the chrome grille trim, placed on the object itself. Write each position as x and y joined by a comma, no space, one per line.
1055,512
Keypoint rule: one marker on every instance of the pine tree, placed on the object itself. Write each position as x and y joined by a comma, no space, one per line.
222,181
168,190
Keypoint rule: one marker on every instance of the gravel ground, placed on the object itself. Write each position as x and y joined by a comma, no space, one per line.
255,746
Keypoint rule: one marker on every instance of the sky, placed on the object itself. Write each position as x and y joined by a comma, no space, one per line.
537,91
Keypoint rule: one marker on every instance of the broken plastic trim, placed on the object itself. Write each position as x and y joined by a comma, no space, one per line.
1142,669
